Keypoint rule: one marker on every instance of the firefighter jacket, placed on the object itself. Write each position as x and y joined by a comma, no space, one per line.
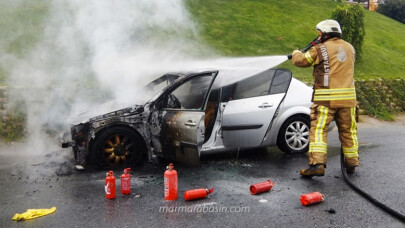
333,63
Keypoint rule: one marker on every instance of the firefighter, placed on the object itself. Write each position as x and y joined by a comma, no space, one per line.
334,97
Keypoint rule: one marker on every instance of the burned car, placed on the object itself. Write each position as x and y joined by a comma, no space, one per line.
191,114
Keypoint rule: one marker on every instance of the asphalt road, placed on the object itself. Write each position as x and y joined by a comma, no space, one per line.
47,179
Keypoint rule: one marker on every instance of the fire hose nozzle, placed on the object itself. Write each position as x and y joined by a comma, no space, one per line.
314,42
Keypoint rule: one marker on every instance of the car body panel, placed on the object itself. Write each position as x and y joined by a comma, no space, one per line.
245,121
182,135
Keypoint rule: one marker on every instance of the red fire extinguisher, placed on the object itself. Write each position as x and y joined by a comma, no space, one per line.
126,182
110,185
261,187
170,183
200,193
311,198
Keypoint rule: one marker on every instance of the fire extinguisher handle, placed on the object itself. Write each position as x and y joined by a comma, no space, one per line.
127,170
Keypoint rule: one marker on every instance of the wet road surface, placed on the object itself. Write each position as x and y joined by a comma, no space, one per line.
48,179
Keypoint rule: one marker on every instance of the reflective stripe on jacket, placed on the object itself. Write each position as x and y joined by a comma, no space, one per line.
333,63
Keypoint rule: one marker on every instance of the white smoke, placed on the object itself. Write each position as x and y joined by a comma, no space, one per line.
90,52
98,50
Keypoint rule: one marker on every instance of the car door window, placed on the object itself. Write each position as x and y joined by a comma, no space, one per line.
280,82
258,85
190,95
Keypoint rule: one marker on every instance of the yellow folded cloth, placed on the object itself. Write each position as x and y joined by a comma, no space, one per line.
33,213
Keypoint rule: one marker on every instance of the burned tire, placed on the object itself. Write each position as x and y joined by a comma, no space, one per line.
293,136
118,147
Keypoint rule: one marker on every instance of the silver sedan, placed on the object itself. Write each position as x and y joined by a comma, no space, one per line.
195,113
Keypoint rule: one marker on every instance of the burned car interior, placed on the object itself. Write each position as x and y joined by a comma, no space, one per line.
190,95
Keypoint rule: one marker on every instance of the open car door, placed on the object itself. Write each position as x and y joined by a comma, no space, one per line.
248,116
182,124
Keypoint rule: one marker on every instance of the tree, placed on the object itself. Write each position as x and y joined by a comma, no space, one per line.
394,9
351,20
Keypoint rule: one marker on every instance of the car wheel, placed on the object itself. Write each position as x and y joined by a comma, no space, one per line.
293,136
118,147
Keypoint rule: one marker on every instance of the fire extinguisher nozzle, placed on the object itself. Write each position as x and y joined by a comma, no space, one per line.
127,170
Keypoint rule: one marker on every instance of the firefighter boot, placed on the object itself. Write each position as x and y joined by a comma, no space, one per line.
350,170
313,170
351,164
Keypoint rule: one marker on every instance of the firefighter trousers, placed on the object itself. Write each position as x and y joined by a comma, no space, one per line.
345,119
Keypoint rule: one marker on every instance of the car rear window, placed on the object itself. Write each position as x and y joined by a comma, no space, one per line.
271,81
280,82
258,85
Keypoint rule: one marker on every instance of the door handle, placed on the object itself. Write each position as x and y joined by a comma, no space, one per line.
265,105
190,123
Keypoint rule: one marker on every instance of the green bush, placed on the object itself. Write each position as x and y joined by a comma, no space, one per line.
394,9
351,19
381,98
13,127
398,93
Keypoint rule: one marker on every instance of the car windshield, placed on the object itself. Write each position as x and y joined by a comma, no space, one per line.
159,84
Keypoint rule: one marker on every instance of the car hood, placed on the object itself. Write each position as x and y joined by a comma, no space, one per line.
100,112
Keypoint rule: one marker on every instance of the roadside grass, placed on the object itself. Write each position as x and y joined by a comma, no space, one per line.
383,48
271,27
21,26
251,28
240,28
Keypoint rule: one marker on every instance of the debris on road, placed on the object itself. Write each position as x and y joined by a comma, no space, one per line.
33,213
331,211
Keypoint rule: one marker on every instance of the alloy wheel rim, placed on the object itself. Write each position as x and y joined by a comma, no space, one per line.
297,135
